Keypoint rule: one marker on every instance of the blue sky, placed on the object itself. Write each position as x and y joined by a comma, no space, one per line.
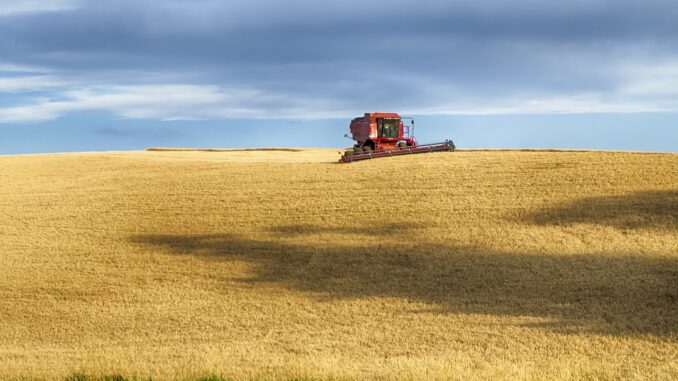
93,75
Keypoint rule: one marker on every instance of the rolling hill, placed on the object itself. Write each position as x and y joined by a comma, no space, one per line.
282,264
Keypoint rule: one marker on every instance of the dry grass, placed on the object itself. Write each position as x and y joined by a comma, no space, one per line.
166,149
278,264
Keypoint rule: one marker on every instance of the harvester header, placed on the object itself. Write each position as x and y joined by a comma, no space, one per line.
381,134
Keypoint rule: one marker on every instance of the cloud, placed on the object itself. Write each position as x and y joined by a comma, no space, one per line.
202,59
651,79
164,102
190,102
6,67
574,104
29,83
23,7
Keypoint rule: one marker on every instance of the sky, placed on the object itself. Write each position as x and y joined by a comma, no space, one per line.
78,75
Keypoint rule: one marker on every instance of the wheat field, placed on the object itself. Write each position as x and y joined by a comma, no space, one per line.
282,264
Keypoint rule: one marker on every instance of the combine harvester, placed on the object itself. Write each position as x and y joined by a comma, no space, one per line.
382,134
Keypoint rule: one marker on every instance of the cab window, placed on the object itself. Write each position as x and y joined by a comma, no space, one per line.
388,127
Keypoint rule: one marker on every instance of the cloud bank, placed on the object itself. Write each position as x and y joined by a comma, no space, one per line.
206,59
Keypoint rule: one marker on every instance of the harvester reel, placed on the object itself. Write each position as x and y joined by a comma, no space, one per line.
368,153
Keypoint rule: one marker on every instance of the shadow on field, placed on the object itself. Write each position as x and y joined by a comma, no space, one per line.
609,294
638,210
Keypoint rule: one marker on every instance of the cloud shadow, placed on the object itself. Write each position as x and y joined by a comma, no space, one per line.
606,293
654,210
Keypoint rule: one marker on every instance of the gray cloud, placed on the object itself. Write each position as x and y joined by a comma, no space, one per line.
24,7
346,56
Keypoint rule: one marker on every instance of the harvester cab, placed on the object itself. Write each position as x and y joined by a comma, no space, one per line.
382,134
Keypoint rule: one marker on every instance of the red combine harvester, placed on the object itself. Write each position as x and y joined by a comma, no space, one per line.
381,134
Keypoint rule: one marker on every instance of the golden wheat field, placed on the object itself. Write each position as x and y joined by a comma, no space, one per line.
284,264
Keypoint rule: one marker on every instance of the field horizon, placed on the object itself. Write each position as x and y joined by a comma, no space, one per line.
275,263
321,149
